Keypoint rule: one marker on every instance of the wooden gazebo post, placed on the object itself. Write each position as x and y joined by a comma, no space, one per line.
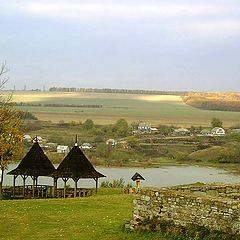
54,186
65,185
34,178
33,187
75,188
96,180
24,177
14,183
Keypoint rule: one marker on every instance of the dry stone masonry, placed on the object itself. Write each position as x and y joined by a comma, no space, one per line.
215,207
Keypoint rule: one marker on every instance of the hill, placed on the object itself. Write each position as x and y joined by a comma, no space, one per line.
105,108
214,101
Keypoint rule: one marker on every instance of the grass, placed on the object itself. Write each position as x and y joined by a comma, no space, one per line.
154,109
98,217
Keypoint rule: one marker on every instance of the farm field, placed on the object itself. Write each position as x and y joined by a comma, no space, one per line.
154,109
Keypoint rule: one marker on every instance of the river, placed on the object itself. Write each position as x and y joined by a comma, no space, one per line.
154,177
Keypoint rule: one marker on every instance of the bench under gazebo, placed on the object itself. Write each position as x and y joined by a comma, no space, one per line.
75,166
34,165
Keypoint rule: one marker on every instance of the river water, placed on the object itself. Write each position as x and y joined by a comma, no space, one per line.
154,177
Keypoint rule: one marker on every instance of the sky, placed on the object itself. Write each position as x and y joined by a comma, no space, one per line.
173,45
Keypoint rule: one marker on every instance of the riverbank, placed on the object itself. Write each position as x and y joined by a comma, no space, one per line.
164,176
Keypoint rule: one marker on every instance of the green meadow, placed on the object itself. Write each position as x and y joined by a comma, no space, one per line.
101,216
154,109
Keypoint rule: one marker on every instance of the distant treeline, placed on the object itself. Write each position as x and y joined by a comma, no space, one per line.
214,101
56,105
112,90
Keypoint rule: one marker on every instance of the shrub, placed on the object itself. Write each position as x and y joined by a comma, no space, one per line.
116,183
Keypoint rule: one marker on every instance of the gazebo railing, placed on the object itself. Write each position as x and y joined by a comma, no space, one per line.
45,191
81,192
40,191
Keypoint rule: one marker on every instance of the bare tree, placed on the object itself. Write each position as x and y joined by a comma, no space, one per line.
3,70
4,98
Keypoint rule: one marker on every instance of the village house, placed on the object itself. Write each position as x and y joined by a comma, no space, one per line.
154,130
144,127
181,132
38,139
217,131
27,138
86,146
50,146
62,149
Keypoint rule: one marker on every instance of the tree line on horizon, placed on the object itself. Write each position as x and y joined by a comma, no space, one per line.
114,90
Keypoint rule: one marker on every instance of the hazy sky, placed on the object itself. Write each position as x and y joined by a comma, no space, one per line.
136,44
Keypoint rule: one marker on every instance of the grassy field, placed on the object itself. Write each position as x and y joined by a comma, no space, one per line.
154,109
102,216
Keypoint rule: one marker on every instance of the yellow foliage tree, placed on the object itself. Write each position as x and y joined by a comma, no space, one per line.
10,135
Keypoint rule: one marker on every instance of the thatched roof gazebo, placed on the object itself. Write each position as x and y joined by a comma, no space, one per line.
75,166
34,164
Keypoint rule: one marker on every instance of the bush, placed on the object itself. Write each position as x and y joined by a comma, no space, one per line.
27,115
32,126
116,183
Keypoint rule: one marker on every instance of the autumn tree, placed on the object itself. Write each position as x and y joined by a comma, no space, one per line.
10,130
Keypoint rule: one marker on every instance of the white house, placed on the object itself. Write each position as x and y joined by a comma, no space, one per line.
144,127
217,131
153,129
86,146
39,139
27,138
62,149
181,132
51,145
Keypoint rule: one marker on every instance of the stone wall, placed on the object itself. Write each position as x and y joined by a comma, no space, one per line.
215,207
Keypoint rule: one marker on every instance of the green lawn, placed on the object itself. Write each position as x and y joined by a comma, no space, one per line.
98,217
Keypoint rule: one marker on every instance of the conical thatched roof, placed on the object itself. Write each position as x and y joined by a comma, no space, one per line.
35,163
75,165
